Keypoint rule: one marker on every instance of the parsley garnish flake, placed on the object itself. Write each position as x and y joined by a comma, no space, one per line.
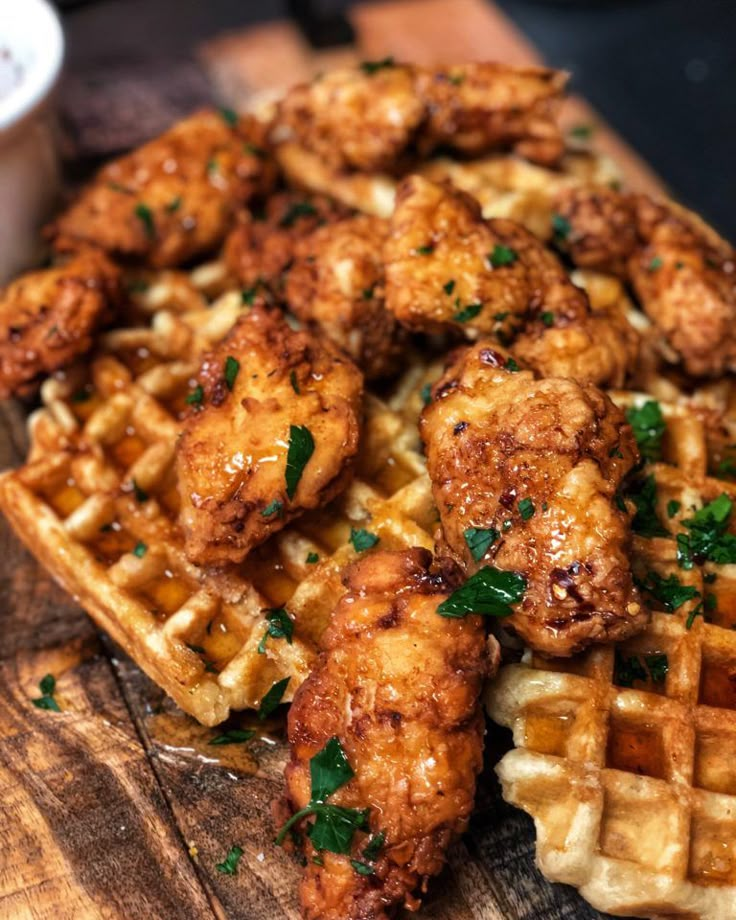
490,591
301,448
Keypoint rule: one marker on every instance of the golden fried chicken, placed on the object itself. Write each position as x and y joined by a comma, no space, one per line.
275,428
336,286
175,197
682,272
379,117
524,473
446,268
260,248
49,317
395,690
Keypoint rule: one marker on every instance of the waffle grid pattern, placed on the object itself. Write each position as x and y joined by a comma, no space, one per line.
97,504
631,779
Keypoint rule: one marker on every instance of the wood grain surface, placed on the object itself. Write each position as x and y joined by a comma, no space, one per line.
118,807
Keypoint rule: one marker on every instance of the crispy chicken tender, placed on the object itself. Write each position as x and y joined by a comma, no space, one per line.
336,286
275,435
175,197
49,317
682,272
534,465
259,250
398,685
379,117
446,268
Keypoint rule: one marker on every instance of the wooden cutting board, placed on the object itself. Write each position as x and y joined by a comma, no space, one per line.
118,807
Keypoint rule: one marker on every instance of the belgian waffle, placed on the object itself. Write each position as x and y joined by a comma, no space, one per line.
97,504
629,774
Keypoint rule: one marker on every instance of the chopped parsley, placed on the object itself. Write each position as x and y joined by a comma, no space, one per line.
479,541
229,866
362,539
628,670
467,313
371,67
145,216
708,538
368,293
273,507
173,206
501,256
248,295
644,496
561,226
362,868
232,366
196,397
727,467
526,508
673,506
273,697
512,366
140,549
670,591
312,558
548,318
254,150
301,448
47,686
229,116
374,845
295,211
83,394
294,382
490,591
212,166
140,494
695,612
425,250
234,736
655,264
426,394
279,626
581,132
449,287
649,426
334,827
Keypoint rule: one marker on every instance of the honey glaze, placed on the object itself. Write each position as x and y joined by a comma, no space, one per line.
718,684
713,853
635,749
547,733
178,738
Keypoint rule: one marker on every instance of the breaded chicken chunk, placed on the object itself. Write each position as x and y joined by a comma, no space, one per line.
175,197
524,473
336,286
275,428
49,317
682,272
396,693
379,117
260,248
446,268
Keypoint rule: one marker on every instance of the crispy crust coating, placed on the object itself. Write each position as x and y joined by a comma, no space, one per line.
175,197
447,268
232,455
398,685
49,317
683,273
497,438
378,119
336,286
259,249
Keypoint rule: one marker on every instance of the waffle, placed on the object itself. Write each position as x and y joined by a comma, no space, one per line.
97,501
630,778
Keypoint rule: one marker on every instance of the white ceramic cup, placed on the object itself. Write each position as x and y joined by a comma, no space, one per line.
31,55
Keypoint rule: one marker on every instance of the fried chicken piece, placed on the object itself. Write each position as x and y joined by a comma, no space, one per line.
524,472
683,273
377,118
398,685
49,317
275,435
175,197
259,250
446,268
475,108
336,286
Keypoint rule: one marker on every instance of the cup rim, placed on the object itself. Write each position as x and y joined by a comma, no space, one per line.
39,80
